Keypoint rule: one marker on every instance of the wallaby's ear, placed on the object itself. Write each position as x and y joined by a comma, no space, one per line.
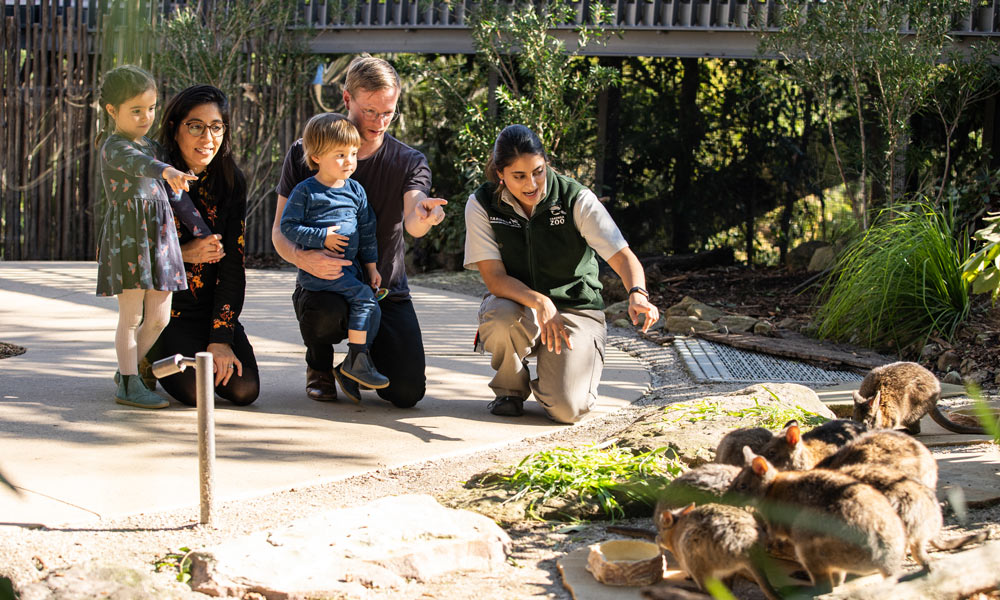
793,435
859,399
759,466
688,509
748,455
665,519
876,400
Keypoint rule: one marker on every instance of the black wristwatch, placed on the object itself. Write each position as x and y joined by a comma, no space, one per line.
639,289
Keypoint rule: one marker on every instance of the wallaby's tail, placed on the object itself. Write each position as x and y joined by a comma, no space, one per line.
940,418
972,538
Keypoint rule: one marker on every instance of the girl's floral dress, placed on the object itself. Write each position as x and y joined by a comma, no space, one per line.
138,240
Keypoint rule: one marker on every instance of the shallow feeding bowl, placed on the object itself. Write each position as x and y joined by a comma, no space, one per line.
626,562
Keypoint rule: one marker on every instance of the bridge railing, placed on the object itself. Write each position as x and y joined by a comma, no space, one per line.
981,16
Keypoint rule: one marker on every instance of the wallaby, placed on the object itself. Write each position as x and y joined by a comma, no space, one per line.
701,485
894,449
837,524
714,540
730,449
897,395
796,451
915,504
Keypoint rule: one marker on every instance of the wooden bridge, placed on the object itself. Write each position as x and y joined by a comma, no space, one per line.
685,28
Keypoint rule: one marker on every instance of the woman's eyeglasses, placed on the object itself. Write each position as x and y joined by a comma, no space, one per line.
197,128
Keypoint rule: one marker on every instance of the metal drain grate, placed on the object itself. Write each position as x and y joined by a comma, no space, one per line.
708,361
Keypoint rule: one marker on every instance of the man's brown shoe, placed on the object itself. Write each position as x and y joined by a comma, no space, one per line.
321,385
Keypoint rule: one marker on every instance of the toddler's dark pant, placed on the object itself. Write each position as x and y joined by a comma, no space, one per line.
190,336
397,348
365,313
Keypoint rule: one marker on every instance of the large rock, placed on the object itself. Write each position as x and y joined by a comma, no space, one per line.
693,433
704,311
102,580
737,323
799,257
822,259
683,325
349,551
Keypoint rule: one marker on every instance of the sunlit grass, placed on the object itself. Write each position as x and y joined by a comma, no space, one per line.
607,475
769,416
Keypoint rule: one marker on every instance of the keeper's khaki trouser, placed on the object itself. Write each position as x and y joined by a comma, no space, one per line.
566,383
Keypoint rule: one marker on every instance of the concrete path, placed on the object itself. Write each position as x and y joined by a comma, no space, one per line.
78,456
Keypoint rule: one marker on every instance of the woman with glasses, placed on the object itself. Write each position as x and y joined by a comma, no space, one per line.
195,135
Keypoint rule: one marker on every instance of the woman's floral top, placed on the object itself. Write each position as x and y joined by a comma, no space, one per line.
215,290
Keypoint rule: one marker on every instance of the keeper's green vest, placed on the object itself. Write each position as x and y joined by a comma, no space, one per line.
546,252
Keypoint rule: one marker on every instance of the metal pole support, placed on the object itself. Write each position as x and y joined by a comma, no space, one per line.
205,396
206,434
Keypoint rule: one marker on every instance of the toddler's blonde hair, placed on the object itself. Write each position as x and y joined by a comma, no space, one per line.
327,131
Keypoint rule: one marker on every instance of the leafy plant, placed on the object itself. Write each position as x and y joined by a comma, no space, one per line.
851,56
899,283
982,269
607,475
769,416
251,50
541,84
179,561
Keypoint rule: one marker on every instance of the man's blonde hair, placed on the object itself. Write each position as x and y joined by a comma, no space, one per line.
370,74
327,131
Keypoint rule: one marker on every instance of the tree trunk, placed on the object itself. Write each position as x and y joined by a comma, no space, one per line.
690,134
608,135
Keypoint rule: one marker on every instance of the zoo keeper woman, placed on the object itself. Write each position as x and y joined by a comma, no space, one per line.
533,235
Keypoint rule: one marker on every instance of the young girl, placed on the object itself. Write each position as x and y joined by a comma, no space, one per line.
139,258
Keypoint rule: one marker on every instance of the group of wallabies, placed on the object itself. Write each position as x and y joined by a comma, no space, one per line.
850,496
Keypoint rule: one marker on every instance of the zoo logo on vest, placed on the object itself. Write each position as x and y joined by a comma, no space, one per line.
507,222
558,215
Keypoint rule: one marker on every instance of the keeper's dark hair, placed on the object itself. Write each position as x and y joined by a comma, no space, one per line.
225,179
512,142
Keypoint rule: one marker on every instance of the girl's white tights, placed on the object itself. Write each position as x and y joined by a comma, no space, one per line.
135,335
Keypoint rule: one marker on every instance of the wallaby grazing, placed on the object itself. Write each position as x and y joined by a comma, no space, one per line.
837,524
714,540
897,395
894,449
915,504
701,485
730,449
793,450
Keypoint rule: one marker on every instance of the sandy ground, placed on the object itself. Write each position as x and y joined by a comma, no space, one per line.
27,555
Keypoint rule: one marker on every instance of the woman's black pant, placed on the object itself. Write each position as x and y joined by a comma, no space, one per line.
397,350
190,336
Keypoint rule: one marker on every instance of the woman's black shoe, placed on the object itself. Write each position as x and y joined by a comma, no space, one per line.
507,406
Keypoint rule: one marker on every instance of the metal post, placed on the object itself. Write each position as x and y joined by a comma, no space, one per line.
206,433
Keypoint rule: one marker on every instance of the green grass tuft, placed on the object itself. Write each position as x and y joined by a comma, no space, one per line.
607,475
898,284
769,416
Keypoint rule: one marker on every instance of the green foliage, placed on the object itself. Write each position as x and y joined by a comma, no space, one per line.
249,50
982,270
541,84
179,561
768,416
607,475
851,56
899,283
